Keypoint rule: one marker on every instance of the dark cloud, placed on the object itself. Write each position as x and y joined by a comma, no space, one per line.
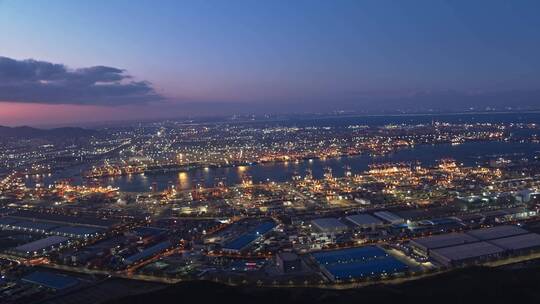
35,81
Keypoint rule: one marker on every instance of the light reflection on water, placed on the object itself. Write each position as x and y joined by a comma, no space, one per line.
468,153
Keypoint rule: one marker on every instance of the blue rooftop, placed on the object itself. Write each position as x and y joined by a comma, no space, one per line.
263,228
148,252
241,242
349,255
249,237
358,262
386,265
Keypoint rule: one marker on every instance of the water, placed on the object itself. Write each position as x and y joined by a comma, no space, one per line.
468,153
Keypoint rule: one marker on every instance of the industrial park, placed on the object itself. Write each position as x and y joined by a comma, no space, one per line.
322,224
263,152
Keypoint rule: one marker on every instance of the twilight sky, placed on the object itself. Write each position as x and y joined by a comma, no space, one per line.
78,61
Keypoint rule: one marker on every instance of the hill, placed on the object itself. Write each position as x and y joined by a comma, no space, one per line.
29,132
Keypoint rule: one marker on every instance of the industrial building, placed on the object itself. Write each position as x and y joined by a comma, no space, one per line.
506,215
42,246
389,217
33,227
466,253
63,220
477,245
288,262
6,222
355,263
329,225
147,253
55,225
496,232
446,223
364,220
240,243
519,243
77,232
426,244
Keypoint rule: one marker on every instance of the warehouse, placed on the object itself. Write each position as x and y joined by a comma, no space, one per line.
349,255
466,253
67,226
364,220
446,223
389,217
519,243
355,263
379,267
42,246
242,242
496,232
330,225
288,262
426,244
147,253
77,232
6,222
61,220
34,227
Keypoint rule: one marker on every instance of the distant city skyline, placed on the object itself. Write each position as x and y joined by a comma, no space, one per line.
64,62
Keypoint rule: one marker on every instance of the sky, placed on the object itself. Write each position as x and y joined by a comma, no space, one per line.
68,62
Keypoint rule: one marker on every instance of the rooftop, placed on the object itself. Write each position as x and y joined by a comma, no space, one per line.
375,267
34,225
444,240
288,256
388,216
496,232
518,242
41,244
349,255
364,219
250,236
329,223
358,262
467,251
63,219
148,252
77,230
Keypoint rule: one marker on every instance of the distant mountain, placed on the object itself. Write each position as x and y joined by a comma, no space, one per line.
29,132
